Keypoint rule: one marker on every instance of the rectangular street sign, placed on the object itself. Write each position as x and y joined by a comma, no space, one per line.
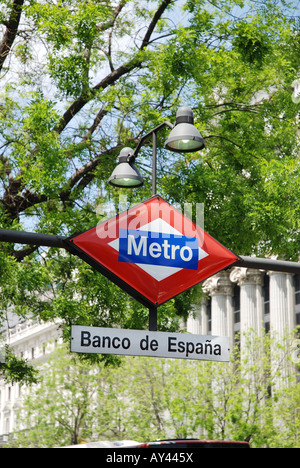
145,343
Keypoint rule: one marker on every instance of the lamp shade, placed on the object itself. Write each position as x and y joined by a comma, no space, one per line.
184,138
126,174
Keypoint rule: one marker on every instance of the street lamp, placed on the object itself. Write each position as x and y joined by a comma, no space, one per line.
184,138
126,174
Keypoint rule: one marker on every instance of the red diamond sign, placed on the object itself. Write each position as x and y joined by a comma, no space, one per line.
152,251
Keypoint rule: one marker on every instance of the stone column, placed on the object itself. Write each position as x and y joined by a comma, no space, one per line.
204,317
282,321
220,288
282,303
198,322
251,298
251,307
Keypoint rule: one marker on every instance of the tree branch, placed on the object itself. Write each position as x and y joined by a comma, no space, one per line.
84,172
11,30
79,103
13,201
230,141
154,22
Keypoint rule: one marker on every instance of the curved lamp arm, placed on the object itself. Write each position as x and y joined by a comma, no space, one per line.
153,131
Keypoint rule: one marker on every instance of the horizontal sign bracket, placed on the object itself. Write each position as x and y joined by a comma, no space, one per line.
49,240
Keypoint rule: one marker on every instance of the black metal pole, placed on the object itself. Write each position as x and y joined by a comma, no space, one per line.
32,238
269,264
153,318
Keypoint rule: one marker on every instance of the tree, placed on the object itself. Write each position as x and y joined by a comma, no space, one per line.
81,80
241,85
14,369
63,408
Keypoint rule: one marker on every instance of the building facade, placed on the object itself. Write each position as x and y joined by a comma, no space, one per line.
236,300
34,342
241,299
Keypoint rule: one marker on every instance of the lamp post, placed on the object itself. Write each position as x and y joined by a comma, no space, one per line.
183,138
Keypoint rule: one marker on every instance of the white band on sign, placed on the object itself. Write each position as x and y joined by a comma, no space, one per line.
144,343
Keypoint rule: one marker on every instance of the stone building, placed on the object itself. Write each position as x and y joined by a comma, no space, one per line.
241,299
34,342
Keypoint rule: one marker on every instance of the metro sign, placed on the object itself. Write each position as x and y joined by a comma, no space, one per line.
152,251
